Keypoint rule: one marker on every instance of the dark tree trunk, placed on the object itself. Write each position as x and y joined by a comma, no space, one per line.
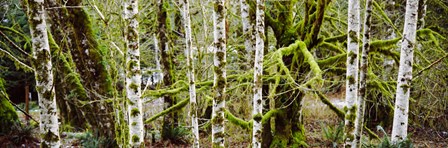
79,59
169,120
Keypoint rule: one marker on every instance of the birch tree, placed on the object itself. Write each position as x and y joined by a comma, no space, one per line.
190,72
400,123
49,127
133,74
363,74
257,101
351,84
248,30
220,81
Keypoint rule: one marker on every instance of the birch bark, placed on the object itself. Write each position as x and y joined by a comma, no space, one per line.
400,123
257,101
190,73
49,127
363,74
220,82
351,92
133,75
248,30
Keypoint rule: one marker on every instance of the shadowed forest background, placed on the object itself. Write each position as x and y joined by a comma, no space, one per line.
107,53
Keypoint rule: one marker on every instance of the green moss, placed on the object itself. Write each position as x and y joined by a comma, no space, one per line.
332,60
351,79
135,138
133,86
8,115
352,56
49,137
176,107
135,112
237,121
325,100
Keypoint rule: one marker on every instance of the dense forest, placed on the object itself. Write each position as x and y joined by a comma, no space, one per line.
224,73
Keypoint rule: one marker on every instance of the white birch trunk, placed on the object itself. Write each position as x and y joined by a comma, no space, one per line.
400,123
363,75
190,73
220,82
351,92
133,75
257,101
49,124
248,29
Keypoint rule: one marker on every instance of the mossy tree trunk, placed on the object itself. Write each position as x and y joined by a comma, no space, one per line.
190,72
170,120
400,123
351,85
219,68
133,75
295,39
363,74
63,64
49,125
85,64
257,111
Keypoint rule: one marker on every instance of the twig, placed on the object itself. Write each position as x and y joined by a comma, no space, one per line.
15,105
15,59
15,45
70,7
430,65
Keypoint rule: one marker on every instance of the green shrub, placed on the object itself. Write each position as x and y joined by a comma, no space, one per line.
335,135
177,135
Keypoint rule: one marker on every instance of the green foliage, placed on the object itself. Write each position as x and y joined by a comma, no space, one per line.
177,135
335,135
19,135
89,140
8,114
386,142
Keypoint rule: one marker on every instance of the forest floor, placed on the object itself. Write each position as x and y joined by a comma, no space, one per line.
321,126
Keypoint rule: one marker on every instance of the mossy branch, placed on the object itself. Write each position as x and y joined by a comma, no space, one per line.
17,62
268,115
427,31
386,18
332,60
27,39
173,108
237,121
327,102
310,59
248,124
371,133
339,38
385,43
331,47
